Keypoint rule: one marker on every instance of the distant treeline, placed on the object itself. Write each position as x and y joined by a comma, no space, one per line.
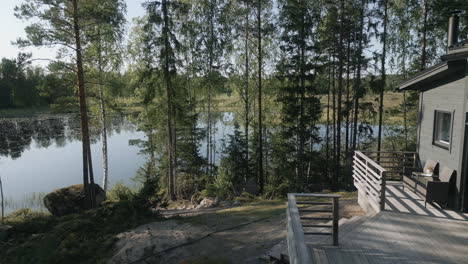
23,85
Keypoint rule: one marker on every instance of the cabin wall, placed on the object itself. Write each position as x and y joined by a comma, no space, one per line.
449,97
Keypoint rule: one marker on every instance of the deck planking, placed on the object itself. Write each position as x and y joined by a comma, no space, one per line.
406,233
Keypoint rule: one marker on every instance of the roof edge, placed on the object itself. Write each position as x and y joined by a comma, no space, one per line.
431,71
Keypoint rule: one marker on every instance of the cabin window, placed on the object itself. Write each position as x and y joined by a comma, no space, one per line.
442,125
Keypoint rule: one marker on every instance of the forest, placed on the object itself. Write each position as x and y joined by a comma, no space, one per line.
304,83
285,67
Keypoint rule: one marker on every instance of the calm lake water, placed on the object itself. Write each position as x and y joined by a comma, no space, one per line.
40,154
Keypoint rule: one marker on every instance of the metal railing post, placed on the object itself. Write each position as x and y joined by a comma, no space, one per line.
382,190
336,217
367,178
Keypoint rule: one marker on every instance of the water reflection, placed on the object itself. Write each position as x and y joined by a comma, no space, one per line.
18,134
38,155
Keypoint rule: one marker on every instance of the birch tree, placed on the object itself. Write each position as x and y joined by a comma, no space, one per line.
64,23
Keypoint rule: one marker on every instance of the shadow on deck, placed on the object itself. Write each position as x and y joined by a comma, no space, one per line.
406,201
406,232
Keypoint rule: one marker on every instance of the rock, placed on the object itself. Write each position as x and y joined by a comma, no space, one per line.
70,200
208,202
225,203
138,243
236,203
196,199
4,231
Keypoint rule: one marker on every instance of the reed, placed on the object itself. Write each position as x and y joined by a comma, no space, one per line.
3,206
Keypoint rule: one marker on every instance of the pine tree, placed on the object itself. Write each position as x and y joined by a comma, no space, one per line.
300,108
65,24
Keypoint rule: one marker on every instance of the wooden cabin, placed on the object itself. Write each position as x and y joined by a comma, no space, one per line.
442,133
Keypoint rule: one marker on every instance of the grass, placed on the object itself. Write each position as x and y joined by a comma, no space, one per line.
78,238
256,209
89,237
20,112
392,100
237,215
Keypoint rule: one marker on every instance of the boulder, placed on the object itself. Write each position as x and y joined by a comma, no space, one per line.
208,202
4,231
236,203
70,199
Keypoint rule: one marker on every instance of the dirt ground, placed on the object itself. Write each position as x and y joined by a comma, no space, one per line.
194,236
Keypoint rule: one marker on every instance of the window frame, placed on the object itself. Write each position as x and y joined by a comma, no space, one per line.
436,130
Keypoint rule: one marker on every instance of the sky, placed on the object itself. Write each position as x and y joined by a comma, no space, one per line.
12,28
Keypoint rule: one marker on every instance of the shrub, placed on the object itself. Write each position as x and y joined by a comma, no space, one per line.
224,183
119,192
245,197
276,191
209,191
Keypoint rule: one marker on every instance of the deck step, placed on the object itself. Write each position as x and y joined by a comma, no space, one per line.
315,211
316,203
318,226
318,233
316,218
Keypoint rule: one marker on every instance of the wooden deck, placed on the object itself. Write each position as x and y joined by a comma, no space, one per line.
406,201
406,232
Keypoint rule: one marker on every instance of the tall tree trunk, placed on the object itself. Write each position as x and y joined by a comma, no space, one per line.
105,165
267,155
209,147
260,121
405,102
3,203
384,76
333,179
340,90
327,149
357,86
348,56
424,36
170,107
86,149
246,99
348,161
91,179
301,112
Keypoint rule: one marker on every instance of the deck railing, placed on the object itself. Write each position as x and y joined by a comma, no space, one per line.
297,249
397,163
370,180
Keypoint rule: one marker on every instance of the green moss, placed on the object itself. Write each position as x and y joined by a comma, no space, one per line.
77,238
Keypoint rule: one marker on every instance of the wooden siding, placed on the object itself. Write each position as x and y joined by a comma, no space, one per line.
449,97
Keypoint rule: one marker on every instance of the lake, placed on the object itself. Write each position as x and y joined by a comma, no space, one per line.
43,153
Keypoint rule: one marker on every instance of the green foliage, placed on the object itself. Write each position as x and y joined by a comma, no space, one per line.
19,82
210,191
119,192
77,238
233,172
276,190
245,197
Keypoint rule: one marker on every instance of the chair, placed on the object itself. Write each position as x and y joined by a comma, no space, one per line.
411,179
436,188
